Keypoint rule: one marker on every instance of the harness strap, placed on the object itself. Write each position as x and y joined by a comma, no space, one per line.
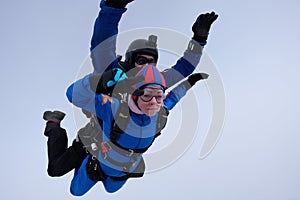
125,166
106,146
123,151
162,120
137,173
120,122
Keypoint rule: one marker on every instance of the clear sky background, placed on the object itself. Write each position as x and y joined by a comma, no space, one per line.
254,46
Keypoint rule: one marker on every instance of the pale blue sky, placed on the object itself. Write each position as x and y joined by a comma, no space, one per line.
254,46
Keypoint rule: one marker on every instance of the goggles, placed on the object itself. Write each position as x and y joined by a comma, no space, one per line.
141,60
148,97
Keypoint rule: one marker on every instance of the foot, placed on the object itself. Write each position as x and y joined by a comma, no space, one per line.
54,116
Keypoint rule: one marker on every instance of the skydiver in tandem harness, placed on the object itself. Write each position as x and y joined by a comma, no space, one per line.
130,123
139,53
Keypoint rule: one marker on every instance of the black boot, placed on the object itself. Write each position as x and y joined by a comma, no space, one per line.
54,116
53,119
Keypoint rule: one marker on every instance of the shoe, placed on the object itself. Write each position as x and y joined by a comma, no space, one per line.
54,116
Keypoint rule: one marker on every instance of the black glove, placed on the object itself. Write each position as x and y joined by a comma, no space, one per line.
126,67
193,79
202,25
104,83
117,3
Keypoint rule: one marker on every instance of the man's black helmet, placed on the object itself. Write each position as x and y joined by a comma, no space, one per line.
142,46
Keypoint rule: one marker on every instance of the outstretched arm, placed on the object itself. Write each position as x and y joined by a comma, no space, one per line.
103,42
191,58
178,92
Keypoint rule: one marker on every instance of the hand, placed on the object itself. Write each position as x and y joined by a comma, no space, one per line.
104,83
194,78
202,25
117,3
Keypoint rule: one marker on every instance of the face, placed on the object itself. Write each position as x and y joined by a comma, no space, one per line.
143,59
151,101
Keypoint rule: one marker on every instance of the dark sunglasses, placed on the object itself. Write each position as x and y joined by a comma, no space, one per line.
141,60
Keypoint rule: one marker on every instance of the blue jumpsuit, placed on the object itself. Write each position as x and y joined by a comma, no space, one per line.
139,133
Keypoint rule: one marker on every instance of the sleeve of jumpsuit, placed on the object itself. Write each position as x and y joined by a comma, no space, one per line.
174,96
183,68
81,95
103,42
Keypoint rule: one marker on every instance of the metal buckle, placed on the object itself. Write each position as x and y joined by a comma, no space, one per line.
107,145
131,152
